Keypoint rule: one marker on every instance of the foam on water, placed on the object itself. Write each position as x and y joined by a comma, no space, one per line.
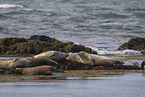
124,52
115,52
10,6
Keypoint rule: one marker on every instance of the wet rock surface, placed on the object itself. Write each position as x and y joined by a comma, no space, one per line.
134,44
37,44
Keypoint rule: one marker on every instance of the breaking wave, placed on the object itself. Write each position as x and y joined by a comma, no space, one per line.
116,52
10,6
124,52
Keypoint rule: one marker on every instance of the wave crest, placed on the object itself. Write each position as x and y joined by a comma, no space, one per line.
124,52
10,6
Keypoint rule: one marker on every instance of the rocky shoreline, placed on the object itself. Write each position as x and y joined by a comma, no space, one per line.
46,56
134,44
67,73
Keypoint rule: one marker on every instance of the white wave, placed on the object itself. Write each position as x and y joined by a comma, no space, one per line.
115,52
124,52
10,6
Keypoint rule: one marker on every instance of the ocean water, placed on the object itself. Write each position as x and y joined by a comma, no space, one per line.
128,85
100,24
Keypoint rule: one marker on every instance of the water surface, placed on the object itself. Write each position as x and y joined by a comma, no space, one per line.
128,85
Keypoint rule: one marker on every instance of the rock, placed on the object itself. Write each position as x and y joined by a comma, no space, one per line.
30,47
37,44
134,44
1,71
5,43
40,37
142,64
11,41
130,67
71,65
78,48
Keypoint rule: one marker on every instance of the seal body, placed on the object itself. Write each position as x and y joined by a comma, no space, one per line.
9,64
91,59
74,57
6,64
55,55
43,61
134,63
21,63
39,70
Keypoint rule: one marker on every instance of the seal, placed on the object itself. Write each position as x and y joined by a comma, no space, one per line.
6,64
21,63
39,70
9,64
135,63
43,61
92,59
55,55
74,57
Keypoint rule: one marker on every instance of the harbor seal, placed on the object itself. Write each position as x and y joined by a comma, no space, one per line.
39,70
134,63
74,57
43,61
55,55
92,59
8,64
21,63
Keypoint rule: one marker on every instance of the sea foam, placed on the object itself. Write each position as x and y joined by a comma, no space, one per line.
115,52
10,6
124,52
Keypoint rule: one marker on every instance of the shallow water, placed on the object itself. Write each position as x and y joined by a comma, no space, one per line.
128,85
100,24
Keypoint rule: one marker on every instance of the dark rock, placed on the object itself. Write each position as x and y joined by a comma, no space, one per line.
1,71
40,37
71,65
78,48
142,64
37,44
99,68
11,41
134,44
130,67
30,47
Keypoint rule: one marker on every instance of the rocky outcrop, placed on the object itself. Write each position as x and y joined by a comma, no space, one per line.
37,44
134,44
